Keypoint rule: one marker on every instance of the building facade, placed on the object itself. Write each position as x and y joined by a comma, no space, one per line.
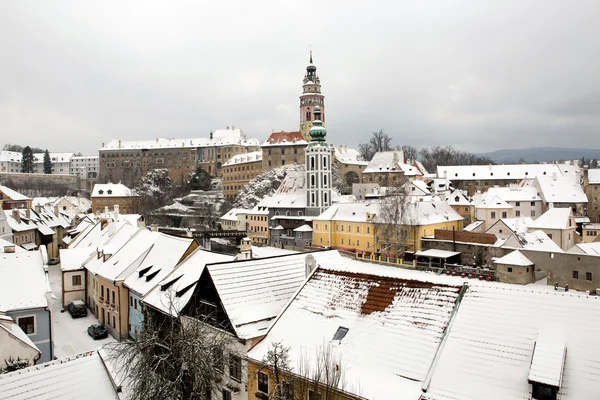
318,168
240,170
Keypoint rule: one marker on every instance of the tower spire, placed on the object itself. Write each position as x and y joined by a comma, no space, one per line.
310,50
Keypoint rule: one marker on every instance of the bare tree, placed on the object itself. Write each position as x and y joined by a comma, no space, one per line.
176,358
380,141
319,374
437,155
393,219
410,152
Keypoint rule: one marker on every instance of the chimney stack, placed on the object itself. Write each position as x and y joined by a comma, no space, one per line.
16,215
119,143
154,227
56,211
117,209
310,265
554,176
105,209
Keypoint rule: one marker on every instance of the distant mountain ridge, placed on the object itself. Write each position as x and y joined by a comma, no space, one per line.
540,154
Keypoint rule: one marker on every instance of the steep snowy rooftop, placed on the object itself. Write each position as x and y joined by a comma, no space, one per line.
285,139
166,252
493,202
73,259
514,193
174,291
111,190
8,193
345,155
231,215
592,249
530,240
355,212
9,326
254,292
514,258
563,189
23,281
518,224
554,218
408,319
490,347
244,158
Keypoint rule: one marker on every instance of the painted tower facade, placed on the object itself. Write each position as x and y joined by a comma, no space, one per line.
311,97
318,168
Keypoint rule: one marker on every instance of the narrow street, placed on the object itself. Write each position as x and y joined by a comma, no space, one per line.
70,335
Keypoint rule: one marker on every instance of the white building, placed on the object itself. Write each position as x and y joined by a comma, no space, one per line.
85,167
61,163
10,161
318,168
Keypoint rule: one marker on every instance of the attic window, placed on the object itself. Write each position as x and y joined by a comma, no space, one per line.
340,333
143,271
473,173
152,275
491,174
101,191
109,191
508,173
456,199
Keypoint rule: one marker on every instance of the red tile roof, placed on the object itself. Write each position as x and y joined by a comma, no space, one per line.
284,137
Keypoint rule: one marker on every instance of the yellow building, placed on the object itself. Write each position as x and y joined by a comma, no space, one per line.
360,227
258,225
590,233
459,203
240,170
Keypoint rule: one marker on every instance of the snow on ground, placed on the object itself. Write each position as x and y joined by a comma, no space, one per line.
70,335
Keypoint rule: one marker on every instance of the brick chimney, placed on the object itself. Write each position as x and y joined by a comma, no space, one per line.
16,215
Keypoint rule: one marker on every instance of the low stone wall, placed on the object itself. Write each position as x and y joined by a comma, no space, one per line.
38,185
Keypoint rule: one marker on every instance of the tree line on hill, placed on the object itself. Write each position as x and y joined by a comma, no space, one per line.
429,157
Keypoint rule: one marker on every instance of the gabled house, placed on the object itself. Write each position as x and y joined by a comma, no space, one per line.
166,253
515,268
505,227
490,209
462,205
561,192
23,229
23,298
559,225
15,343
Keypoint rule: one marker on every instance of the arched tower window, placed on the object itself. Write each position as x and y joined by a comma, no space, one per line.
312,162
325,180
312,181
325,198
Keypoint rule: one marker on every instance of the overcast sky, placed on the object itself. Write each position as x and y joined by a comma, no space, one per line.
478,75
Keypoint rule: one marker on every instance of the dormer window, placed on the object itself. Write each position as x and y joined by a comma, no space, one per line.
547,365
100,191
109,191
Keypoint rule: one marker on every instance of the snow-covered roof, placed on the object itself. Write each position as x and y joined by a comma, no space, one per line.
425,213
493,202
8,325
345,155
221,137
10,194
554,218
512,171
355,212
268,251
285,139
457,198
111,190
25,224
490,346
253,292
76,377
594,176
73,259
128,257
108,242
436,253
590,226
244,158
514,258
514,193
6,243
231,215
303,228
472,226
419,185
166,252
23,281
592,248
54,157
174,291
563,189
393,161
408,318
518,224
10,156
530,240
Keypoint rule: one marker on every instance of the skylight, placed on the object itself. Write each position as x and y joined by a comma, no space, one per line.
340,333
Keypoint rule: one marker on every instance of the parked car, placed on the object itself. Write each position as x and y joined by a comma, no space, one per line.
54,261
77,309
97,331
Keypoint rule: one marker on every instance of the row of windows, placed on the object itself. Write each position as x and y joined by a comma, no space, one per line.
588,275
289,214
242,168
24,238
340,228
147,154
258,218
272,151
591,233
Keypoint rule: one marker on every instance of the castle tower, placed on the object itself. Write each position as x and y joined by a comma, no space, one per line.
318,168
311,97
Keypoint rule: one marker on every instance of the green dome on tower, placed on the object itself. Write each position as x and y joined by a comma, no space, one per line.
317,132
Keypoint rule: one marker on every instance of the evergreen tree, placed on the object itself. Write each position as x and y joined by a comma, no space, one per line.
47,163
27,160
